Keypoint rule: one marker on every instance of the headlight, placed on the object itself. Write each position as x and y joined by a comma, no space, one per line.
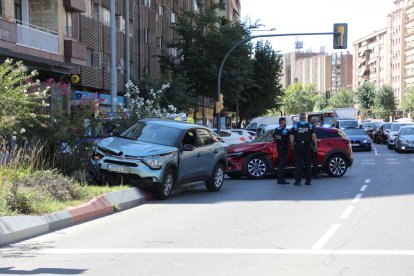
153,162
236,154
365,141
96,155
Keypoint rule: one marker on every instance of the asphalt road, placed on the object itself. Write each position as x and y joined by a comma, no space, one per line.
360,224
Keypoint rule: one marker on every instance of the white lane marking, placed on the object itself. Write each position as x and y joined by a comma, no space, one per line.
324,239
347,212
393,163
391,159
228,251
357,198
375,151
367,181
364,188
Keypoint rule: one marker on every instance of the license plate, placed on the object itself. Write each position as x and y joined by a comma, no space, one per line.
355,145
118,169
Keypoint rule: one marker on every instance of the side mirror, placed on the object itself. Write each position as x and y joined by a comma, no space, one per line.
188,147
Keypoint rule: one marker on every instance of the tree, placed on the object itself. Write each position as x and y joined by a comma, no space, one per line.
408,102
385,104
321,102
342,98
366,97
300,99
22,101
202,40
263,89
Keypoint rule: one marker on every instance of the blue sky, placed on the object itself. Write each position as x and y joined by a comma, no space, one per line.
363,17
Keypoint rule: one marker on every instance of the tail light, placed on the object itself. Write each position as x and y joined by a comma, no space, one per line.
242,139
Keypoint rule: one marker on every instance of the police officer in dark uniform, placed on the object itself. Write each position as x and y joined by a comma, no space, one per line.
281,136
301,138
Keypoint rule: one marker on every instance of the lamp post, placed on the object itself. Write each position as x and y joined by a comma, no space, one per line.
246,40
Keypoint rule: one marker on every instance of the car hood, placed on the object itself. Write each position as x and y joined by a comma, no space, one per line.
407,137
127,147
358,137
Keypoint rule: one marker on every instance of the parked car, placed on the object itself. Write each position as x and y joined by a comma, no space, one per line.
392,134
260,157
248,137
380,135
346,123
371,130
405,139
359,139
161,154
231,138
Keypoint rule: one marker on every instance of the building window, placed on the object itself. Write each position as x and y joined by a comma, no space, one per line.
120,23
95,11
89,8
147,3
195,6
146,39
18,10
160,9
106,16
173,18
89,57
131,28
69,24
1,7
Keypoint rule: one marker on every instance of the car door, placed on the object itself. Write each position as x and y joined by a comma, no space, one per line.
208,152
190,161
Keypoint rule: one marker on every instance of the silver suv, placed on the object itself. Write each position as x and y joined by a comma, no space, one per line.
159,154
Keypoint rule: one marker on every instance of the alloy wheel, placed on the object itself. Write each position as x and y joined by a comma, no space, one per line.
256,167
219,177
169,180
337,166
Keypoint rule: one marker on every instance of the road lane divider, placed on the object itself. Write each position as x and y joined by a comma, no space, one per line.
347,212
367,181
357,198
364,188
325,238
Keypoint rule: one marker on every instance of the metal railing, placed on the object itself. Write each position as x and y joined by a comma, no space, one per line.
36,37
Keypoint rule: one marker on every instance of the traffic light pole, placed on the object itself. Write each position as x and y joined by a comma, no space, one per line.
244,41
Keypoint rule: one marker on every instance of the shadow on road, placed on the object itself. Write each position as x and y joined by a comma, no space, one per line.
43,270
23,250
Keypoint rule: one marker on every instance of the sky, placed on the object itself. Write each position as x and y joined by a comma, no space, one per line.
303,16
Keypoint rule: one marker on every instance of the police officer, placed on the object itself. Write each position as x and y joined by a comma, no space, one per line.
315,163
281,136
301,136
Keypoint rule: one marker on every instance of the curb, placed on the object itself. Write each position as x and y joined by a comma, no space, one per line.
17,228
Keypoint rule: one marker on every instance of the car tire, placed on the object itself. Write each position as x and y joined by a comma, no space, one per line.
336,165
234,175
164,189
216,180
389,146
256,167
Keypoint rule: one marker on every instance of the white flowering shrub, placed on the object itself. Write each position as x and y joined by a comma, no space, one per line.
22,100
146,107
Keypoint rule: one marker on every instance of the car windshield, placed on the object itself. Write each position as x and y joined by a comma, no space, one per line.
407,131
386,126
267,137
348,123
152,133
396,127
355,131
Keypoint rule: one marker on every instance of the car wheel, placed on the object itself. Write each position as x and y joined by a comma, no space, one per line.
217,178
336,165
256,167
234,175
389,146
163,191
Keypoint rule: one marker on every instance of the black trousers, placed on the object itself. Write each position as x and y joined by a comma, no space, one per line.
315,162
302,154
282,157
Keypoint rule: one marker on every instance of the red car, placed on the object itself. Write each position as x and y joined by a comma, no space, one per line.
260,157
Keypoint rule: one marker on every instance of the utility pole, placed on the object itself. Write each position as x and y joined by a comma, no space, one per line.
127,52
114,84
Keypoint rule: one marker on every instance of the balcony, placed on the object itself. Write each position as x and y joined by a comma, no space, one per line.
75,52
75,5
37,37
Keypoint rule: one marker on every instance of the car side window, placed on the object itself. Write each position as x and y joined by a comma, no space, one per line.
204,138
324,134
189,138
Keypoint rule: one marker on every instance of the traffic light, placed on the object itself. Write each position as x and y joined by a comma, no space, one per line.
340,36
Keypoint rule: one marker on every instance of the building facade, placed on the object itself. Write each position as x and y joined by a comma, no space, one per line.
370,59
328,72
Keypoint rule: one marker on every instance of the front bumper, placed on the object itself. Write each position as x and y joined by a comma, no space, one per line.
405,146
356,145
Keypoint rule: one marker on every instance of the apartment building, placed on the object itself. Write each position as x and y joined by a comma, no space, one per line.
44,34
230,9
328,72
370,59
